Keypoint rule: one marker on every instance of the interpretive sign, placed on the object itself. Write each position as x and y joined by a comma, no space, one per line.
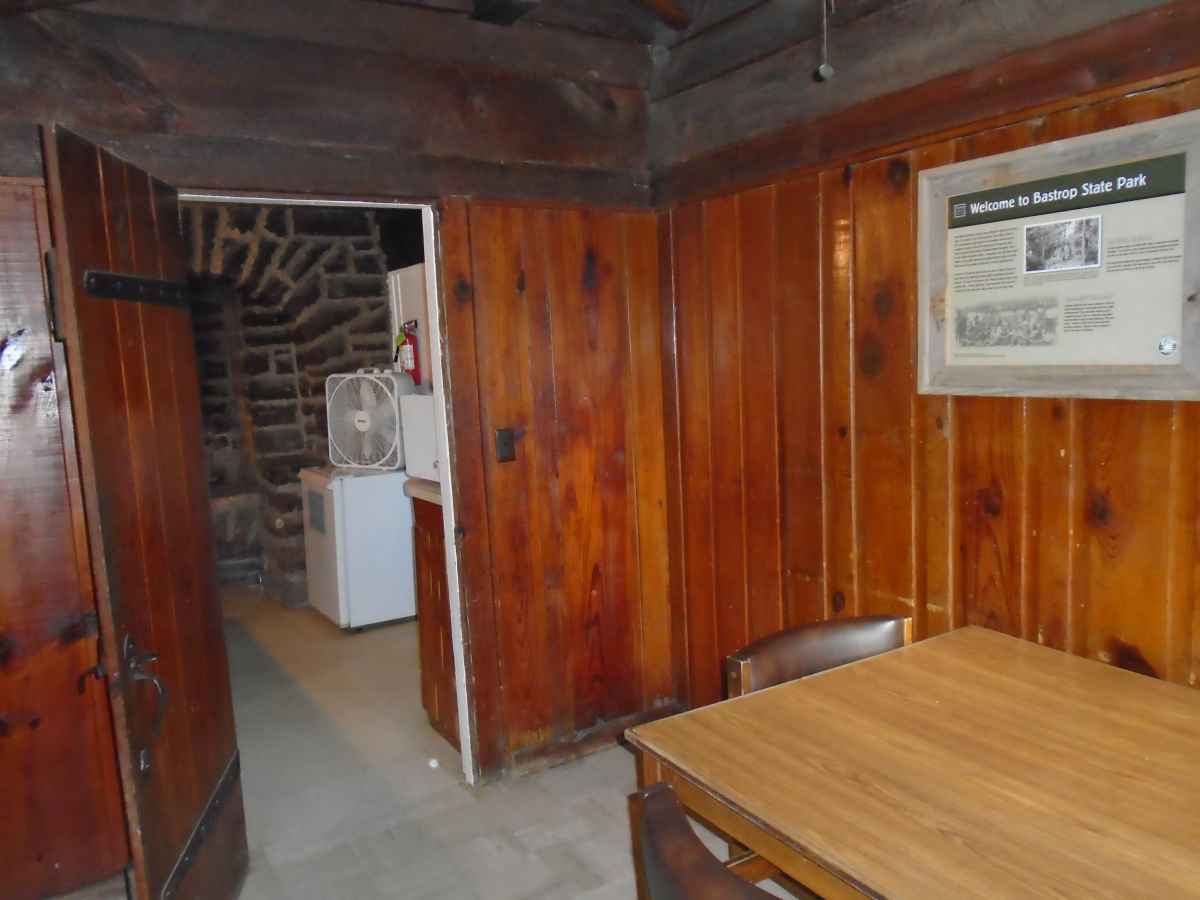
1085,268
1065,269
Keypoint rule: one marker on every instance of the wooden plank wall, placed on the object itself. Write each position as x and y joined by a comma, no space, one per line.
553,327
810,481
63,824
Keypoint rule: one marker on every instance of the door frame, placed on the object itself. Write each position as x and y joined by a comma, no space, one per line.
439,367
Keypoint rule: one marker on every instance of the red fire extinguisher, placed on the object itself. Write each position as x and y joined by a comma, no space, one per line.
408,356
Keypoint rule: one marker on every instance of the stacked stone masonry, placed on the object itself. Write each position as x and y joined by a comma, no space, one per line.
290,296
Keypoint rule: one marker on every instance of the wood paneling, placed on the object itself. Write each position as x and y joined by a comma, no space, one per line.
725,356
1071,523
798,352
883,395
758,289
834,277
64,826
438,692
555,331
466,450
694,338
646,253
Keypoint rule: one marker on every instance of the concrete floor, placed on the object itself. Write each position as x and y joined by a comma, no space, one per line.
342,799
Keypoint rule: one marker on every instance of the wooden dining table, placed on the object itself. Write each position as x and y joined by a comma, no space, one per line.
972,764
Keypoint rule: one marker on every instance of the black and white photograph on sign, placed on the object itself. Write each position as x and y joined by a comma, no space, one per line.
1011,323
1066,244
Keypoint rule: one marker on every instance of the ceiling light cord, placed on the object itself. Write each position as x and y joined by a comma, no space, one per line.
825,69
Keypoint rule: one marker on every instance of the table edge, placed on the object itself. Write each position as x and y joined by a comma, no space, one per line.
642,745
816,859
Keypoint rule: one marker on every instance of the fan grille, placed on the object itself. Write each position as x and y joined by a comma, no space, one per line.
364,422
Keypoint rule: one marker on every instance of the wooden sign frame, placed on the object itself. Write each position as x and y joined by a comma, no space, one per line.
936,375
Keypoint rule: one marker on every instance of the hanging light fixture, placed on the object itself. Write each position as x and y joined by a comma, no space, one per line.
825,69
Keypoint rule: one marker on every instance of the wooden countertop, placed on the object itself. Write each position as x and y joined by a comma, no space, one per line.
969,765
423,489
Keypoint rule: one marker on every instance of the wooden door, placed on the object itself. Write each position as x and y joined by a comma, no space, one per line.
63,825
137,418
558,313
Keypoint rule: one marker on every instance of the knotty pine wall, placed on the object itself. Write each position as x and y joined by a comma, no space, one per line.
808,480
554,328
64,827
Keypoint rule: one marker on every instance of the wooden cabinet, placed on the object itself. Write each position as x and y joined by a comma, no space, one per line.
433,621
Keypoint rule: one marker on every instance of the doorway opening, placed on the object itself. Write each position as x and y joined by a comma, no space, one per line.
339,584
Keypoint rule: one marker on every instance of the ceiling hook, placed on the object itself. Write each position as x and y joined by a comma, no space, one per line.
825,69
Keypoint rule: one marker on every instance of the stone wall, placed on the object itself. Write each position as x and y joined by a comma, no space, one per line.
291,295
236,504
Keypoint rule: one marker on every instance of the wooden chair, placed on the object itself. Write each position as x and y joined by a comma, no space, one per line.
672,863
809,649
792,654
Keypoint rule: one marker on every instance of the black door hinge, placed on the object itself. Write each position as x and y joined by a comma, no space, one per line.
115,286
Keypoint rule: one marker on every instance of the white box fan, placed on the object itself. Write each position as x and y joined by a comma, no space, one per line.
364,418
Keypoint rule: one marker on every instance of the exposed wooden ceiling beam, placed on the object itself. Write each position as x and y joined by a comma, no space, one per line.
438,35
894,48
17,7
1104,61
743,39
669,12
502,12
117,75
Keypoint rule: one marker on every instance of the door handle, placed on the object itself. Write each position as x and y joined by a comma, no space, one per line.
135,666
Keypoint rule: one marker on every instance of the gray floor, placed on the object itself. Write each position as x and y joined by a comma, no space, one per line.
343,799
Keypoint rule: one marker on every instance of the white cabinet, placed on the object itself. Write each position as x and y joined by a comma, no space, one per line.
410,303
421,451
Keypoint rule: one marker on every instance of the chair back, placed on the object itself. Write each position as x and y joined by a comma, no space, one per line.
672,862
809,649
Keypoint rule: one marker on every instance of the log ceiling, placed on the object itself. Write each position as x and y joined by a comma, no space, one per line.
887,47
574,100
17,7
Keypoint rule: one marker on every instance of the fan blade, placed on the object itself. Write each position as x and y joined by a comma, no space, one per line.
341,423
384,418
347,395
370,394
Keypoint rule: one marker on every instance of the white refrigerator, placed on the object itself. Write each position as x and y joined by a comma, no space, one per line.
358,543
